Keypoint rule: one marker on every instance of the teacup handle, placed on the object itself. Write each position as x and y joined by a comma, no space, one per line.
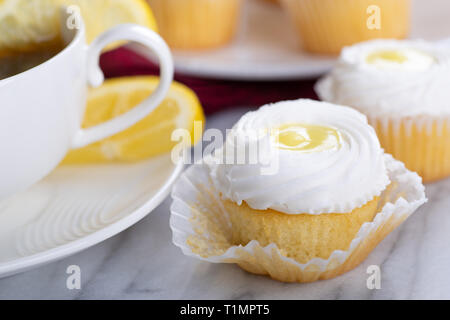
154,44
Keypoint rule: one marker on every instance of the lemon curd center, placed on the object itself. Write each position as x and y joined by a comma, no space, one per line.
387,55
305,137
405,59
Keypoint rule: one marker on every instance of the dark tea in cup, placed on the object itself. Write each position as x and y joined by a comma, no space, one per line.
13,63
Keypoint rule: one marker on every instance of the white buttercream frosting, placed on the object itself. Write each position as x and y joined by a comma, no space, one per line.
346,171
413,82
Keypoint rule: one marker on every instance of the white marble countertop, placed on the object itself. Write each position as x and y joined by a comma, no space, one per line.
142,263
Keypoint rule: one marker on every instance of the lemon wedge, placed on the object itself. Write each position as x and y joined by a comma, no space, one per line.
101,15
27,25
149,137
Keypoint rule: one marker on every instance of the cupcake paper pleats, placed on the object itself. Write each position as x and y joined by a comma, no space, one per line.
196,24
421,142
202,228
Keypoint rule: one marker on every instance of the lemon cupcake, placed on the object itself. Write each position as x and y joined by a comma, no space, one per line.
196,24
402,86
315,201
326,26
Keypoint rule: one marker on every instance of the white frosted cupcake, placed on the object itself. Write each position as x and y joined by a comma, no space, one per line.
402,86
312,206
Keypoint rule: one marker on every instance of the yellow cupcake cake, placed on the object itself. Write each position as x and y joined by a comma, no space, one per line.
310,205
326,26
402,86
196,24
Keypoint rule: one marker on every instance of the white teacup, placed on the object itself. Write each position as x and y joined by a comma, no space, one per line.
41,109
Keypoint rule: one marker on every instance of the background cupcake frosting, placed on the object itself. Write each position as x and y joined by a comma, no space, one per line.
418,86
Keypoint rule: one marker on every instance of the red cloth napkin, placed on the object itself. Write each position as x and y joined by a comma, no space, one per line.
215,95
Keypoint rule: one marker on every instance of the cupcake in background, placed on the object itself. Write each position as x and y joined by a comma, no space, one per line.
403,88
326,26
196,24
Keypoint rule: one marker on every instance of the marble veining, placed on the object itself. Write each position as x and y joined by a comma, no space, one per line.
142,263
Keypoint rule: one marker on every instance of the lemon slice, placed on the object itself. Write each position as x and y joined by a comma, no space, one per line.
29,24
101,15
25,24
150,136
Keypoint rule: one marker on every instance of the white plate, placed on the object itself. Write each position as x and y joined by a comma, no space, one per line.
267,47
77,207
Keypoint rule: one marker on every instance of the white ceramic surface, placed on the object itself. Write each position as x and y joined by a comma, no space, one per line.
267,47
76,207
42,108
142,263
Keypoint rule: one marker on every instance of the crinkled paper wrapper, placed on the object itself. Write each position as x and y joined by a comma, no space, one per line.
202,229
421,143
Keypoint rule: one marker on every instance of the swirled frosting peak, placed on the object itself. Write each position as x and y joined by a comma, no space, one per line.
305,137
392,78
323,158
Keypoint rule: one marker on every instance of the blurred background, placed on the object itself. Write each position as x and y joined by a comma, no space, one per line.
266,56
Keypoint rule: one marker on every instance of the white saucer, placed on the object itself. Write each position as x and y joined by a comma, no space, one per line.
77,207
267,47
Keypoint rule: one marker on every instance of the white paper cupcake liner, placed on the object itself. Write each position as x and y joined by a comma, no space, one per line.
201,227
421,143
